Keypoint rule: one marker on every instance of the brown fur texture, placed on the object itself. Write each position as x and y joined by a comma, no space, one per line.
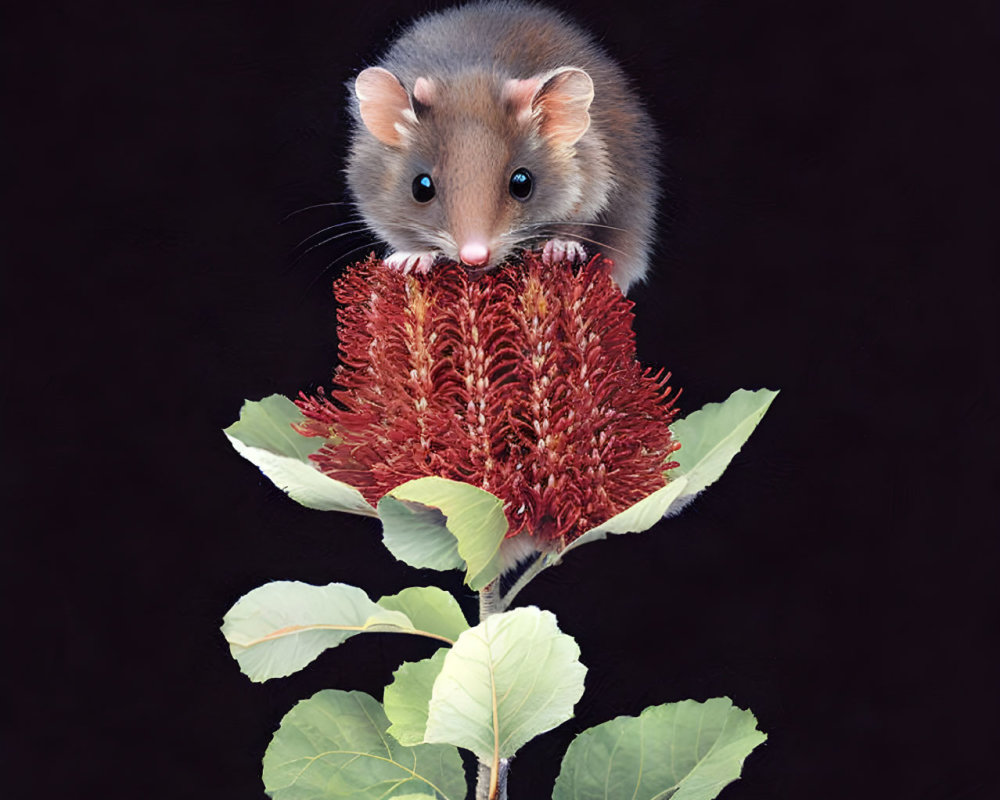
601,189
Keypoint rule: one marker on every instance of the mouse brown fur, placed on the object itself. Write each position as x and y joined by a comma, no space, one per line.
468,96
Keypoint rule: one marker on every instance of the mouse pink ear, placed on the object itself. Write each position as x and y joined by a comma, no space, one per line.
560,101
385,105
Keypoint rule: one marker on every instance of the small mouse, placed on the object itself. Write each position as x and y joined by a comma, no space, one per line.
496,126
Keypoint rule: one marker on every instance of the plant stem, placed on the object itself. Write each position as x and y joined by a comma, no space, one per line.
489,600
483,781
491,603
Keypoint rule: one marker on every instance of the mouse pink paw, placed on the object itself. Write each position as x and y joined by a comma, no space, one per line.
407,262
556,251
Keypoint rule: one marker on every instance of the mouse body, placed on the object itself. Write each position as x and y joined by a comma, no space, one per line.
495,126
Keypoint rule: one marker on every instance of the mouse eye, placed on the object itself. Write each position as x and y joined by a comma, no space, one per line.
521,184
423,188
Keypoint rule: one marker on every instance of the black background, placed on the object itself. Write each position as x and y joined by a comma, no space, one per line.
829,230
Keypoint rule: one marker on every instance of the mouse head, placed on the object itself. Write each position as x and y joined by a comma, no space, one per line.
475,163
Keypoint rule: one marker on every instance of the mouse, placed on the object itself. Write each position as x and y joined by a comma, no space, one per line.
495,127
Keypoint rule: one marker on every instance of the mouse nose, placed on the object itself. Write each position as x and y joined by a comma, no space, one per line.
474,254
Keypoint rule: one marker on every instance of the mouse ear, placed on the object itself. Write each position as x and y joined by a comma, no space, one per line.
564,101
385,105
560,101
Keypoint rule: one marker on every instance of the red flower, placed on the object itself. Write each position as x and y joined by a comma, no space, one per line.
523,382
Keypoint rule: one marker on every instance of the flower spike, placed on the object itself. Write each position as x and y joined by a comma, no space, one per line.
523,382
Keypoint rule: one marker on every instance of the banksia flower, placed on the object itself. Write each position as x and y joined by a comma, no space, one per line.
523,382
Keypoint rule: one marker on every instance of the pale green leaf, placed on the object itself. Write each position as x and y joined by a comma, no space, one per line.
335,745
263,435
280,627
682,751
418,535
518,663
413,797
407,699
640,516
711,436
430,609
435,522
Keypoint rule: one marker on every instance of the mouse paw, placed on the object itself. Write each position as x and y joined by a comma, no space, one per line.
558,250
407,262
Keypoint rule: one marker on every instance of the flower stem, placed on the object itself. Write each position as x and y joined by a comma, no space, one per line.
491,779
483,781
489,600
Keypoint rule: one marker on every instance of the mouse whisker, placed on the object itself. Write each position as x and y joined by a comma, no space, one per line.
317,205
360,223
581,225
600,244
335,261
445,241
516,254
424,239
435,240
300,256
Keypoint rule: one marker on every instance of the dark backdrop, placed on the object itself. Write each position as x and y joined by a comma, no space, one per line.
829,230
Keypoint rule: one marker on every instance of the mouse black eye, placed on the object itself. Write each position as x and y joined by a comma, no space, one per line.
423,188
521,184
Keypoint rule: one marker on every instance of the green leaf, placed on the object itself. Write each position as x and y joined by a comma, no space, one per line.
640,516
263,435
711,436
413,797
430,609
444,524
682,751
510,678
418,535
334,745
407,699
280,627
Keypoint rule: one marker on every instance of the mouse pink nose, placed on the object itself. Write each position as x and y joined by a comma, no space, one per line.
474,254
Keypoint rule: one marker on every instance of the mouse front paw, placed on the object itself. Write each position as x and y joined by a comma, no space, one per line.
407,262
556,251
